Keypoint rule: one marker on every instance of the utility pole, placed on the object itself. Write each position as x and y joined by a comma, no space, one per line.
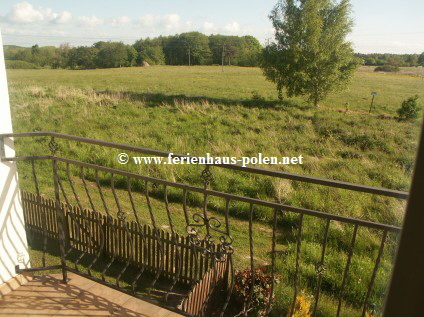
189,57
222,58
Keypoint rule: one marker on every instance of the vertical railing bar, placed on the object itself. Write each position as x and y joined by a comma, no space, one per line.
185,206
271,293
205,217
97,223
321,266
212,283
227,211
152,218
252,265
349,258
75,223
229,260
216,268
183,253
193,249
86,225
86,189
195,253
296,277
230,291
108,222
29,224
42,212
374,273
123,222
101,193
143,238
59,218
174,282
113,240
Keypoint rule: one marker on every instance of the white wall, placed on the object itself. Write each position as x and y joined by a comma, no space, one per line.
13,243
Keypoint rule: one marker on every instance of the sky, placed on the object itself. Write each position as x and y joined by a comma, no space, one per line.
380,26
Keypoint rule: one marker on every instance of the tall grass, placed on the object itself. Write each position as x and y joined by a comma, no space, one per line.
201,110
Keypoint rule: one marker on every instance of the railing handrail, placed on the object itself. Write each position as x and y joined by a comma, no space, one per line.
254,170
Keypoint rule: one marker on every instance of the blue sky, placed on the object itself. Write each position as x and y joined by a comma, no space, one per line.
380,25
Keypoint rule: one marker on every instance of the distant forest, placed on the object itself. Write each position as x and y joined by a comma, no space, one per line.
192,48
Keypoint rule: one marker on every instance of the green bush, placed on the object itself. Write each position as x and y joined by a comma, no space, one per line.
19,65
387,68
409,109
261,291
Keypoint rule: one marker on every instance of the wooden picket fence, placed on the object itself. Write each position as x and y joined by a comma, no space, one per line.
38,210
84,230
207,291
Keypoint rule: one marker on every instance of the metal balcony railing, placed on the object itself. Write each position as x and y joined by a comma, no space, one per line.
183,256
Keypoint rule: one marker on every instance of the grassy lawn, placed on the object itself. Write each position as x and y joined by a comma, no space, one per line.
236,113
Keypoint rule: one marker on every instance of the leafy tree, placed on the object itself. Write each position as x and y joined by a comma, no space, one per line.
131,55
191,47
230,51
24,54
395,60
61,57
249,51
111,54
150,51
82,57
196,45
310,55
409,109
45,56
412,60
153,55
421,59
216,44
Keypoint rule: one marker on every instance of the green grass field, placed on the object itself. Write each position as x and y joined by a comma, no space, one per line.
236,113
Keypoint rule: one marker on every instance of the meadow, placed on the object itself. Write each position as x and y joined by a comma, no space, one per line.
200,110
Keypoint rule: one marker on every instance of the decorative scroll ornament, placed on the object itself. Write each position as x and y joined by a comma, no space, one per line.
121,215
320,268
206,244
53,146
206,176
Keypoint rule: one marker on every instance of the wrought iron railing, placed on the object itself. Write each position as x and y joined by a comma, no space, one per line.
84,185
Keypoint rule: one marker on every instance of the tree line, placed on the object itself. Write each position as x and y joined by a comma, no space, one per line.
399,60
192,48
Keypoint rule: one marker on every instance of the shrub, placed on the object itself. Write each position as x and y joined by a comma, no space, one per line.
409,109
387,68
261,289
302,307
19,65
257,100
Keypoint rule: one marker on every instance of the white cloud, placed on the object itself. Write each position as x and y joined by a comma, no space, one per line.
232,27
62,18
89,22
25,13
208,27
168,21
20,31
171,21
120,21
147,20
